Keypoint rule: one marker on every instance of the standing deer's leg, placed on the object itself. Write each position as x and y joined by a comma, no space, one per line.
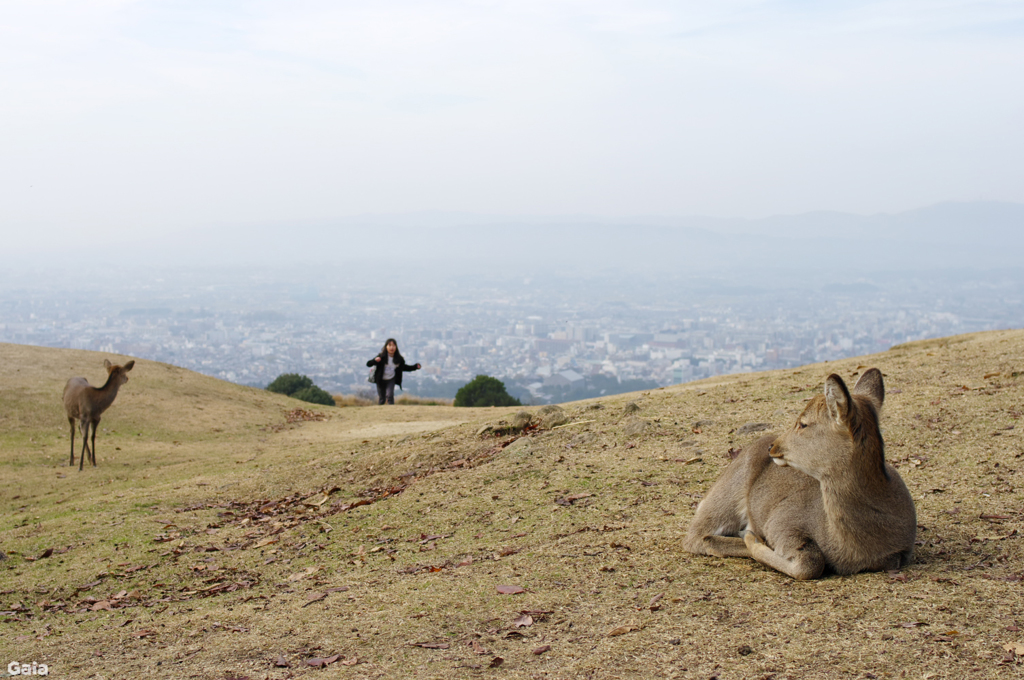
72,422
85,443
92,448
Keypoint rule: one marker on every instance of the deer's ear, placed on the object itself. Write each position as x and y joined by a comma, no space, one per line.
107,365
837,398
129,365
871,386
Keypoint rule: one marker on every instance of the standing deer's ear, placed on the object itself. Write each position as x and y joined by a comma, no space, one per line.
129,365
837,398
871,386
107,365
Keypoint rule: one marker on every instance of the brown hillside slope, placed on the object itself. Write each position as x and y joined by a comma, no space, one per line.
226,533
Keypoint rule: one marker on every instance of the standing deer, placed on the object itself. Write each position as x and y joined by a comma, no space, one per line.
821,496
86,403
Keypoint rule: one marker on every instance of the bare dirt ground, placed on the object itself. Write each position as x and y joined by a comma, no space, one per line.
232,533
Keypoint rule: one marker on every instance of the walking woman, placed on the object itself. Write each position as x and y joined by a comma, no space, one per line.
389,369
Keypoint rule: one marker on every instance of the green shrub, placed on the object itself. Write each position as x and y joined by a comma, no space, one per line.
314,395
289,383
300,387
484,390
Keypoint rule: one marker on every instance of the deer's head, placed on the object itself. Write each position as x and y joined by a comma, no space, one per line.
118,374
837,429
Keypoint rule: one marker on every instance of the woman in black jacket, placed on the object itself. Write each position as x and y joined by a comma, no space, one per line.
389,369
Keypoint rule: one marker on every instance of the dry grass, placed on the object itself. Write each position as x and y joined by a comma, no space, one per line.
227,530
345,400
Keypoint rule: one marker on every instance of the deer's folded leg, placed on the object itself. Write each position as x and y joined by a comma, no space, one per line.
726,546
797,557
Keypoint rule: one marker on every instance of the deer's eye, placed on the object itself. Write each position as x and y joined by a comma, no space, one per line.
801,425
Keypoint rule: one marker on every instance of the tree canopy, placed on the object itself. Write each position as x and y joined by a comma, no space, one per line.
289,383
314,395
300,387
484,390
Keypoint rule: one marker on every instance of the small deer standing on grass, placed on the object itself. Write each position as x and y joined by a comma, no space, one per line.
821,496
86,403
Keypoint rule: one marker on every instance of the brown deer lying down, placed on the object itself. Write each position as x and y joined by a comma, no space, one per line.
86,403
821,496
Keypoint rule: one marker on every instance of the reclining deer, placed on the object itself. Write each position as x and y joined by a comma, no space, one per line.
820,497
86,403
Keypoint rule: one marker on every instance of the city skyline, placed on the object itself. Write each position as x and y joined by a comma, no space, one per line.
549,338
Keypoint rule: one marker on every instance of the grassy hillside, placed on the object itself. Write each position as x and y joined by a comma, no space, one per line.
229,533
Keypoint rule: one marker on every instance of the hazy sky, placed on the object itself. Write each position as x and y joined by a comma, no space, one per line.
117,115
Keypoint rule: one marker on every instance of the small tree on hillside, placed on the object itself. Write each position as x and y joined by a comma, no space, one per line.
484,390
314,395
300,387
289,383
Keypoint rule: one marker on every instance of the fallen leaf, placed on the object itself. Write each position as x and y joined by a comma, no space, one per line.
320,663
622,630
523,621
1016,647
427,539
308,571
465,563
511,590
478,648
495,662
46,553
281,662
541,650
102,604
314,597
431,645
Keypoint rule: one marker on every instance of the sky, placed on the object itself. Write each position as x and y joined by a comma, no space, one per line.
120,116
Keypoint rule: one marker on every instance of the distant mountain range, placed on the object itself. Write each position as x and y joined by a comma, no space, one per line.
973,235
947,235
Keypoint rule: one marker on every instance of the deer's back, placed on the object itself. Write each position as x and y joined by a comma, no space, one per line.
785,505
780,499
76,397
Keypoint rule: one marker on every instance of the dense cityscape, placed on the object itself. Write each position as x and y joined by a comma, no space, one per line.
547,339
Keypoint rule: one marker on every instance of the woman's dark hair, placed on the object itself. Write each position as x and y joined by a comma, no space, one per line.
384,351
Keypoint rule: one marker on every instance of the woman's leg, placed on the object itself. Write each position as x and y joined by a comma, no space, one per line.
390,391
382,391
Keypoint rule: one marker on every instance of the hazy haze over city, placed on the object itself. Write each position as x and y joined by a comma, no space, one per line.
648,190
